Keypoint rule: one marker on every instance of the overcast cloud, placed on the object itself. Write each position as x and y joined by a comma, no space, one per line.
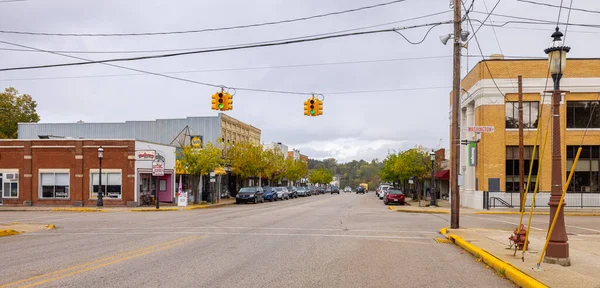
353,126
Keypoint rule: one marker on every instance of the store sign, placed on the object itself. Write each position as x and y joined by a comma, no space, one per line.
145,155
472,154
182,199
196,141
158,166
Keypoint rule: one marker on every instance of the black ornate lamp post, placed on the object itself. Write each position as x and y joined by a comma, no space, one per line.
100,191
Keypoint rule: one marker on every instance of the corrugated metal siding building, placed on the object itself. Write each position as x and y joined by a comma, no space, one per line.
161,131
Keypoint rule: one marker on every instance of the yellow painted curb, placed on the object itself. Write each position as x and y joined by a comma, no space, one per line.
423,211
534,213
78,210
8,233
197,207
50,226
444,231
508,270
154,209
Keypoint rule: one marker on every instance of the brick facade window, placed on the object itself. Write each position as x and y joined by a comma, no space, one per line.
9,185
530,114
111,185
587,171
54,185
512,167
580,113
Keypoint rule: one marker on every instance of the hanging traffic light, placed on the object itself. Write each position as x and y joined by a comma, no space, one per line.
318,107
221,100
307,107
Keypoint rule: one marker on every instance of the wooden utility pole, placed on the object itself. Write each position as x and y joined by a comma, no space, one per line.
521,147
454,169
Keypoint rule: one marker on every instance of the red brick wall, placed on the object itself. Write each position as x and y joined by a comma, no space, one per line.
61,154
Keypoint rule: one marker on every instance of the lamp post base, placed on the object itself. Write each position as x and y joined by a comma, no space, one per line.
565,262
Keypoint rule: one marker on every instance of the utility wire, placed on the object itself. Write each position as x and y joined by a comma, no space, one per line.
237,69
201,30
213,47
484,20
556,6
88,62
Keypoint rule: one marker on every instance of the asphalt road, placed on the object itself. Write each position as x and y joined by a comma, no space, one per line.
346,240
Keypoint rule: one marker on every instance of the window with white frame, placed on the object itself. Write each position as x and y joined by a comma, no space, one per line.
54,185
111,185
9,185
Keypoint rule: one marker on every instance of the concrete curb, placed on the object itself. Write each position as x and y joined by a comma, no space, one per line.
511,272
425,211
154,209
206,206
534,213
77,210
9,232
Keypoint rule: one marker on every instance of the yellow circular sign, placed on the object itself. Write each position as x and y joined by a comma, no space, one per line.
196,142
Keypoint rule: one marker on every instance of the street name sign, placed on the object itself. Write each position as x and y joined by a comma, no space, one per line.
481,129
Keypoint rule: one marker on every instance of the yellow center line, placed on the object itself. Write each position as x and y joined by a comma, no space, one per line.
149,249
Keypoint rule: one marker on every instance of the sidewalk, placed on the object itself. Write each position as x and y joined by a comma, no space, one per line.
444,208
584,253
163,207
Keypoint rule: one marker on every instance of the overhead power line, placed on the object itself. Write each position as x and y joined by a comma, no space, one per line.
202,30
225,46
557,6
88,62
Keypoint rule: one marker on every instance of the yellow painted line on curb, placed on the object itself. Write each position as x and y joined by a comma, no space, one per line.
77,210
197,207
154,209
9,232
101,262
505,268
423,211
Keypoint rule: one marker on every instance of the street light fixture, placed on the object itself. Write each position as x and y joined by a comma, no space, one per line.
558,247
432,202
100,192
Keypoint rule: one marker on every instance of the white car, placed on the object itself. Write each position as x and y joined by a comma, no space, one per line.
381,190
347,189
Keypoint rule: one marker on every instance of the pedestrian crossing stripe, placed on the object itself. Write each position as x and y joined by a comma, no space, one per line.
443,240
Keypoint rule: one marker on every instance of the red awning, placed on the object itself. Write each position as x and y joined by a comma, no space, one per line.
443,175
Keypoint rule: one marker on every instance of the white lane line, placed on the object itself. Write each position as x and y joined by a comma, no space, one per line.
501,221
572,226
227,233
46,218
257,228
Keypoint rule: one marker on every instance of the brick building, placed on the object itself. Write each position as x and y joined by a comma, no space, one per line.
65,172
494,163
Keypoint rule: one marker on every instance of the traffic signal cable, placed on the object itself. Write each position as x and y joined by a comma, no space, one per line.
202,30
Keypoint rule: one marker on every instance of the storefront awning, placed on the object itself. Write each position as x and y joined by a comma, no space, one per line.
443,175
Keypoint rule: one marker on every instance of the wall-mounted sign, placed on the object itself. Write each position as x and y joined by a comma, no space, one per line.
158,166
196,141
472,154
145,155
481,129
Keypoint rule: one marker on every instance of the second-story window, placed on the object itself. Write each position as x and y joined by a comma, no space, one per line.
530,114
580,113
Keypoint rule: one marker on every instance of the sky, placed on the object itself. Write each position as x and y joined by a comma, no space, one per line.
359,121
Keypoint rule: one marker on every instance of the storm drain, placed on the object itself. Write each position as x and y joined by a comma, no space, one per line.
443,240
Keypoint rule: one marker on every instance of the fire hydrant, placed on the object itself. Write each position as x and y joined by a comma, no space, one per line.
518,238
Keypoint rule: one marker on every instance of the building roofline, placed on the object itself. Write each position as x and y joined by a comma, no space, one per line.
125,122
83,139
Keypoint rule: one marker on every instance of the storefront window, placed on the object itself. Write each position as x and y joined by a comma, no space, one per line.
54,185
587,172
512,168
111,185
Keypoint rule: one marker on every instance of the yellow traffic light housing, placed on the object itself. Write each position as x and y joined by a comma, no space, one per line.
307,107
318,107
221,101
215,102
228,101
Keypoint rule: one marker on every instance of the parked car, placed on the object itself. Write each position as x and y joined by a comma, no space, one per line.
334,190
380,190
302,191
293,191
383,191
313,190
347,189
282,193
394,196
269,193
360,189
321,190
250,195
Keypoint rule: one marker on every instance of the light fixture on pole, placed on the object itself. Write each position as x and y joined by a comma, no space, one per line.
100,192
558,247
433,194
